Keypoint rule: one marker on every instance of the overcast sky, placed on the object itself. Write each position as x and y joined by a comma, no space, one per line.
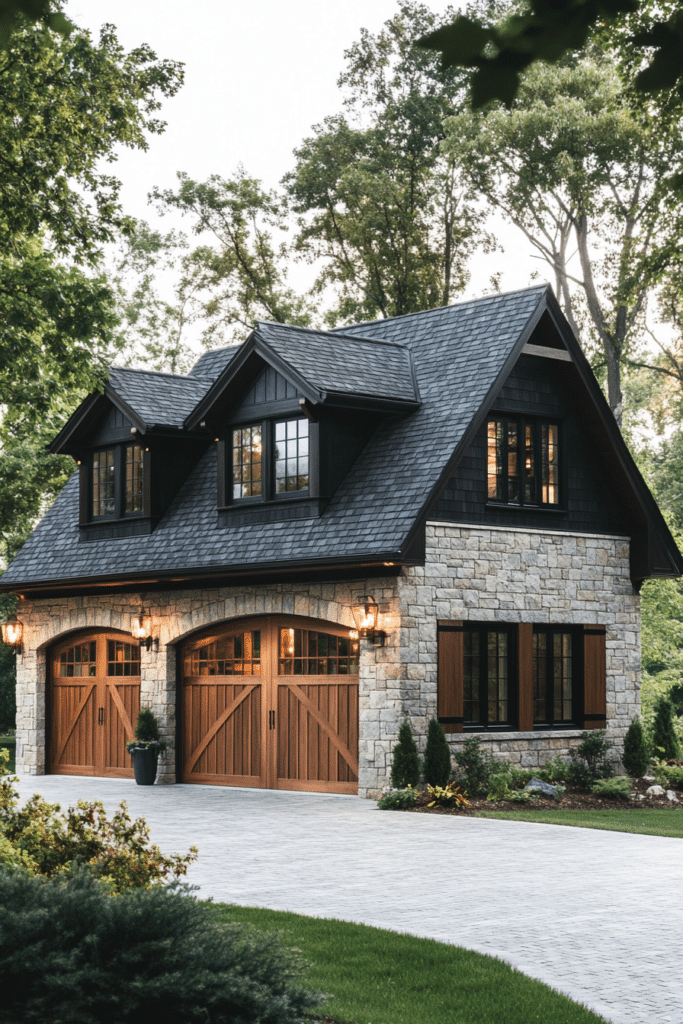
258,75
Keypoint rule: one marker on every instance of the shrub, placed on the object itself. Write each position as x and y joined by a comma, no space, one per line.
474,767
69,952
636,754
619,787
437,763
589,759
664,739
555,770
499,786
669,775
49,841
146,733
405,768
447,796
399,800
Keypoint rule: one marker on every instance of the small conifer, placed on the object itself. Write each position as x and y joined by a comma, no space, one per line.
146,727
405,768
664,739
437,755
636,755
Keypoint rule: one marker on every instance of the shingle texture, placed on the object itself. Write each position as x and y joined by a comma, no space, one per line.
212,363
159,399
342,363
458,353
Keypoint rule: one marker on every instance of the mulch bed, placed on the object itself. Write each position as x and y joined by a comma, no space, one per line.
573,800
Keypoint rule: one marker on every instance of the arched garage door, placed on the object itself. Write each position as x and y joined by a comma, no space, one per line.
94,704
272,702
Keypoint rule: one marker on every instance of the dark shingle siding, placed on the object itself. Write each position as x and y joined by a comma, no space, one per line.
457,357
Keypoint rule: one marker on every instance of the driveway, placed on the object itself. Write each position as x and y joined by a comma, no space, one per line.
594,914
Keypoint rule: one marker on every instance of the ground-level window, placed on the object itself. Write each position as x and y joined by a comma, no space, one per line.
520,676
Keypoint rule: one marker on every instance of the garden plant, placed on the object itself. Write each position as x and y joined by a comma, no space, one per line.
664,739
437,761
636,753
405,768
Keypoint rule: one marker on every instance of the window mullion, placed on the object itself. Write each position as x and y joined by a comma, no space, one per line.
267,465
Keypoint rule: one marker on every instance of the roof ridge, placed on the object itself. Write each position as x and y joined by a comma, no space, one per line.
158,373
436,309
338,332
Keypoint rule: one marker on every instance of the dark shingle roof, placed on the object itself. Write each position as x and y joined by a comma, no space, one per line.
459,352
342,363
212,363
157,399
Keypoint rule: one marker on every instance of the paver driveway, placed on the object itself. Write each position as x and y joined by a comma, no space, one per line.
594,914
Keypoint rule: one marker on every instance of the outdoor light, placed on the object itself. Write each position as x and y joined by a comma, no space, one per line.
141,628
366,620
12,633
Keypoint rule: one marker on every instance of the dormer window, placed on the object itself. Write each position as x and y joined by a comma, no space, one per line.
523,461
117,481
270,459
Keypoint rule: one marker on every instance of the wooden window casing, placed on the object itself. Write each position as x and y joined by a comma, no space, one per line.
270,460
582,697
117,487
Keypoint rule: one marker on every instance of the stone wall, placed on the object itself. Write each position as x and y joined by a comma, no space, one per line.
478,573
518,575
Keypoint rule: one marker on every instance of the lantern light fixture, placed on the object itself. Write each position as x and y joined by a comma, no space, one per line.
366,615
141,628
13,633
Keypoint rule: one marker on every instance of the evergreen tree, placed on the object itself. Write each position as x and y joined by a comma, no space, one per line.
437,755
664,739
636,755
146,727
405,768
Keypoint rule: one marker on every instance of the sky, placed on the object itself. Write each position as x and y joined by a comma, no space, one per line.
258,75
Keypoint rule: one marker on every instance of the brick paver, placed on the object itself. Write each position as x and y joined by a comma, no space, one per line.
594,914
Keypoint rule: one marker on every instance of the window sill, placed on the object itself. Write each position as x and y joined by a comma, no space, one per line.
500,506
538,734
271,511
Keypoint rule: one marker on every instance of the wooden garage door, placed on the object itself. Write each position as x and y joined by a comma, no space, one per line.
272,702
94,703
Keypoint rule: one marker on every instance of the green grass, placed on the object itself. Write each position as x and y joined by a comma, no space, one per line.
380,977
647,821
10,743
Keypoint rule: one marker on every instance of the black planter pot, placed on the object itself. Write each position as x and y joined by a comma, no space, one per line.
144,765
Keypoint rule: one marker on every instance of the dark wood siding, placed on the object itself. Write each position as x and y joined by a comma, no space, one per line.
269,386
537,387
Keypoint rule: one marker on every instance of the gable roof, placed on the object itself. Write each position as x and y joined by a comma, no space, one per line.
156,399
460,355
327,368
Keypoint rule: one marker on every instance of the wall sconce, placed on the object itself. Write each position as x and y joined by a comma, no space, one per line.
12,633
366,620
141,628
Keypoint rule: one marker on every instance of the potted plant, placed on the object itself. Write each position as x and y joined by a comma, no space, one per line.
145,748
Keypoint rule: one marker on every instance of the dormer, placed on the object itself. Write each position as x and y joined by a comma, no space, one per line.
292,412
132,451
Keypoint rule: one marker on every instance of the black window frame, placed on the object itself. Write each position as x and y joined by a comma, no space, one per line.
482,630
577,671
536,423
269,495
120,457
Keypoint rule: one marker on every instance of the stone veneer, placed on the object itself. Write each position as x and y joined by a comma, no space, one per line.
508,575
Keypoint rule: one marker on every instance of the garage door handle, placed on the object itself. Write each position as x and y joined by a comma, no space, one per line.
100,716
271,719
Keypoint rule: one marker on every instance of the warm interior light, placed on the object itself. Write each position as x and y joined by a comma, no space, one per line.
12,632
141,626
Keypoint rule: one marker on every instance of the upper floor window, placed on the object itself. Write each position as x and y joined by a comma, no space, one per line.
523,461
270,459
117,481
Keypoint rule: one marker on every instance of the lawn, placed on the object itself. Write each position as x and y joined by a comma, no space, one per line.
380,977
648,821
10,743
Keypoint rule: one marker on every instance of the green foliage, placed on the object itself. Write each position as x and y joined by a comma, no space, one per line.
17,15
117,851
68,951
405,767
398,800
146,727
437,759
619,787
447,796
589,760
499,786
636,756
669,775
474,768
8,672
554,771
501,51
664,740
